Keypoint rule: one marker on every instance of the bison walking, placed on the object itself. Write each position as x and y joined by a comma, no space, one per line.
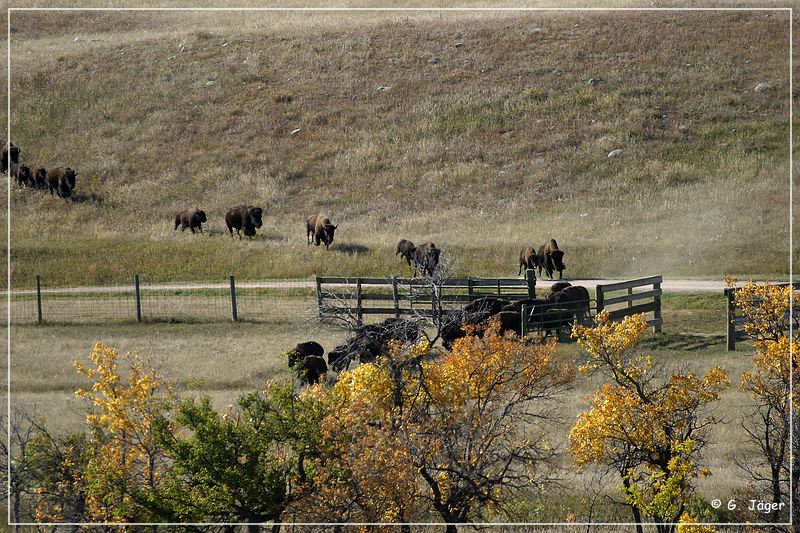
320,230
243,217
426,258
22,175
551,258
406,249
190,218
61,180
528,258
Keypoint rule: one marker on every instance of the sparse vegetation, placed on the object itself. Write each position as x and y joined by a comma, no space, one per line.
487,136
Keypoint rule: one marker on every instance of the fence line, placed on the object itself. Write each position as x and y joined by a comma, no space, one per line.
652,305
145,302
356,297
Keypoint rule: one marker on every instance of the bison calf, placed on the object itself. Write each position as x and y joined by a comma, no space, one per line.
190,218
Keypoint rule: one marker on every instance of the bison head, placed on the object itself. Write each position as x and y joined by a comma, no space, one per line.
329,230
69,178
201,215
255,215
13,154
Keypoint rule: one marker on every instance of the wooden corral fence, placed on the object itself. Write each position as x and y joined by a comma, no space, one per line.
394,296
734,332
633,301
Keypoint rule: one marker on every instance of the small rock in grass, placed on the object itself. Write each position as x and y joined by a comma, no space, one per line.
615,153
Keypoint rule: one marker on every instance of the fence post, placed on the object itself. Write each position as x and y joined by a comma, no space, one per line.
234,310
38,299
359,312
319,297
730,336
598,297
395,297
138,298
469,288
523,330
657,311
530,276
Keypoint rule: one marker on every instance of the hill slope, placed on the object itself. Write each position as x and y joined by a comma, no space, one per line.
482,133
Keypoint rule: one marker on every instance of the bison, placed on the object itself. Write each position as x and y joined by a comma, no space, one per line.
551,258
311,369
370,341
320,229
559,285
453,324
406,249
528,258
488,304
190,218
22,175
575,298
40,178
61,180
426,258
8,150
517,305
243,217
303,350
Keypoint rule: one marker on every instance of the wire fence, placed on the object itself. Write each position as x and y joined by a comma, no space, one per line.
267,301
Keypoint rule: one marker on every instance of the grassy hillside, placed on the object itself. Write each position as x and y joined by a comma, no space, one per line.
478,131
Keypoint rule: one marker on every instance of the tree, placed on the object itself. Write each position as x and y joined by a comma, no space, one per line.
124,460
774,375
460,435
650,431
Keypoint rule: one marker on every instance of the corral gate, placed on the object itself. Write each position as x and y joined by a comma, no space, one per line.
734,332
395,296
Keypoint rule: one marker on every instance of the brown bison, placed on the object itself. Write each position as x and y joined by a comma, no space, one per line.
426,258
551,258
61,180
303,350
22,175
528,258
40,178
311,369
370,341
8,150
243,217
190,218
559,285
320,229
406,249
575,298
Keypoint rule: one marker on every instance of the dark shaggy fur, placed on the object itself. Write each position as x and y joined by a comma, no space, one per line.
320,230
40,178
243,217
22,175
302,350
370,341
190,218
8,149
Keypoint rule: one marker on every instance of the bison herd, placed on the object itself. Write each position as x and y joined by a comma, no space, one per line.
60,180
564,305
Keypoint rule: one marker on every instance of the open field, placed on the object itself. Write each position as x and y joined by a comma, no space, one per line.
485,136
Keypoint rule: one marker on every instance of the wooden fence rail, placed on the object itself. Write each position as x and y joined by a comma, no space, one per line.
419,296
612,303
